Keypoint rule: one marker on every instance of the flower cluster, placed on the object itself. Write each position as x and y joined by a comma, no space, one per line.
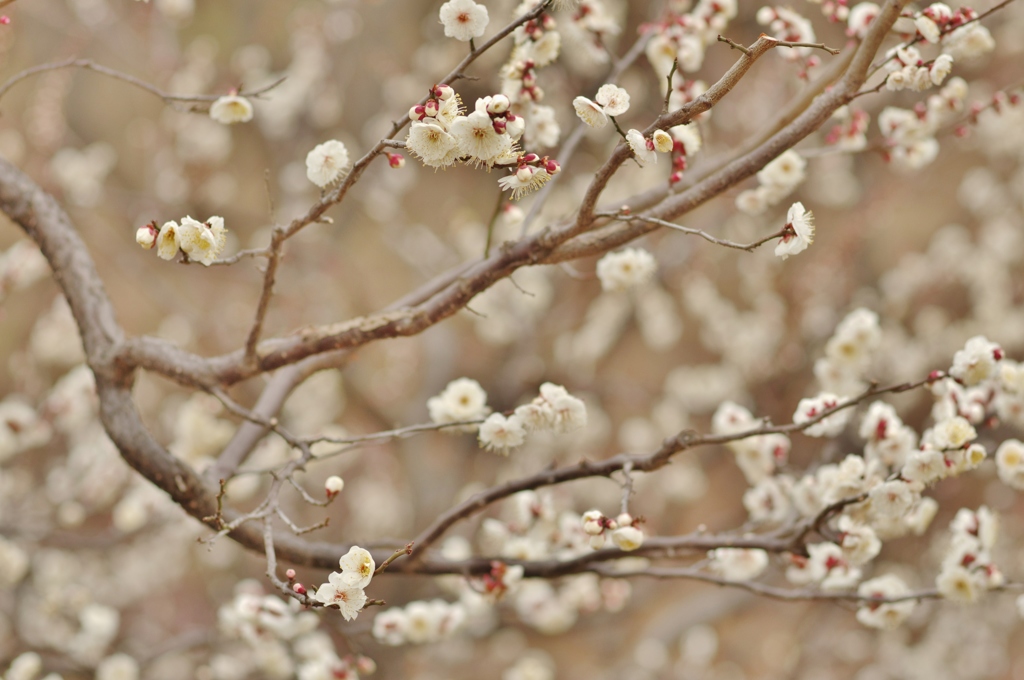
530,173
418,622
910,135
967,568
850,133
646,149
281,639
907,70
786,24
554,409
592,25
536,41
848,353
624,530
777,180
758,456
200,241
683,37
345,589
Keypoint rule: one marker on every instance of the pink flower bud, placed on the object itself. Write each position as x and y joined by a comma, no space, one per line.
396,160
499,125
430,108
299,588
4,19
552,167
531,158
443,92
417,113
675,177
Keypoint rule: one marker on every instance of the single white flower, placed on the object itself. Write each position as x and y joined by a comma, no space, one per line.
500,434
1010,463
663,142
432,144
462,399
326,162
625,269
590,113
799,232
613,99
167,241
463,19
523,181
349,600
627,538
357,567
977,361
643,148
957,583
928,29
390,625
786,171
231,109
476,137
860,18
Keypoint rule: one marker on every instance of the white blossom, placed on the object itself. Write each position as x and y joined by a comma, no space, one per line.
809,409
432,144
643,148
326,163
613,99
885,616
231,109
589,112
1010,463
462,399
977,361
627,538
350,600
500,434
799,232
625,269
463,19
357,567
787,171
738,564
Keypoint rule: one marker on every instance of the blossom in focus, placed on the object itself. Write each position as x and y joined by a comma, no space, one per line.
326,162
798,232
463,19
231,109
590,113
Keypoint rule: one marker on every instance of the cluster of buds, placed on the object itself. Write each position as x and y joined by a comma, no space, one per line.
522,75
624,530
498,107
678,161
534,29
938,19
296,586
531,173
440,95
500,579
851,134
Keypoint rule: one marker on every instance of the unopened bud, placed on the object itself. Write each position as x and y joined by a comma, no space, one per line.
396,160
417,113
552,167
334,484
531,158
146,235
524,173
290,574
430,108
443,92
299,588
499,104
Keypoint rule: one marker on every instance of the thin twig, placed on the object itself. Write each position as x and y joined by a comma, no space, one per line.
734,45
407,550
90,65
269,277
748,247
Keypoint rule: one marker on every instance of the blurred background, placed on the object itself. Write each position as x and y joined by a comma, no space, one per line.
937,253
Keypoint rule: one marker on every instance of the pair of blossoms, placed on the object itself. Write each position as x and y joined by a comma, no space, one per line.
465,401
345,589
612,101
623,531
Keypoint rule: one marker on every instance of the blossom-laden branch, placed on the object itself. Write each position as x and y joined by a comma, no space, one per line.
168,97
114,359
